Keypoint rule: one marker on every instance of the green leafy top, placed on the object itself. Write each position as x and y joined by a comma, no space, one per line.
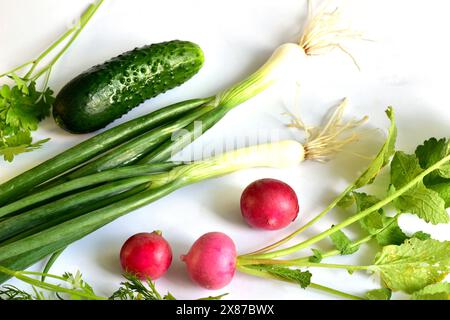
414,264
379,294
429,153
343,243
73,287
10,292
77,284
316,257
419,200
385,229
437,291
382,159
134,289
302,278
22,107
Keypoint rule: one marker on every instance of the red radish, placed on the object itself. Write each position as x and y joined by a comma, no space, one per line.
269,204
146,255
211,261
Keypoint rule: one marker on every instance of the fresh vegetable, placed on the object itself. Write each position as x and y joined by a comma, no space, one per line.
323,32
25,104
146,255
408,265
211,261
269,204
414,264
437,291
105,92
73,287
65,206
136,148
88,149
77,184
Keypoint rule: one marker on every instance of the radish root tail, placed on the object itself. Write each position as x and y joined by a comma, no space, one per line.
325,31
324,141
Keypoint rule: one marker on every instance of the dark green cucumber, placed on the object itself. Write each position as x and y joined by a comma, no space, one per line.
106,92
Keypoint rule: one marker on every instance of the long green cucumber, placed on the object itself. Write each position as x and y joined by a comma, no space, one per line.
107,91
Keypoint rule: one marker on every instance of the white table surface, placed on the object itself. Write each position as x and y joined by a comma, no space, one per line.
406,66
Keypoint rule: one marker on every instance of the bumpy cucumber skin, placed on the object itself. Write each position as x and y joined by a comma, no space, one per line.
106,92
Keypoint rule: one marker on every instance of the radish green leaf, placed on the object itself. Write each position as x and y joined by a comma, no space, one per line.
437,291
343,243
419,200
382,159
413,265
379,294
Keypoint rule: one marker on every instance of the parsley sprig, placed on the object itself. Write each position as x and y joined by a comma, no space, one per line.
22,104
72,286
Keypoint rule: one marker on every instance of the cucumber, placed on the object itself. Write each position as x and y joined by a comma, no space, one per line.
106,92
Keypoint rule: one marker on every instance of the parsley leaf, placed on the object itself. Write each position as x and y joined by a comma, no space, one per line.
10,292
419,200
413,265
78,284
134,289
18,143
437,291
343,243
22,107
379,294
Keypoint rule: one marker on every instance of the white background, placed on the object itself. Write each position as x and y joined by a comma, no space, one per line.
406,66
